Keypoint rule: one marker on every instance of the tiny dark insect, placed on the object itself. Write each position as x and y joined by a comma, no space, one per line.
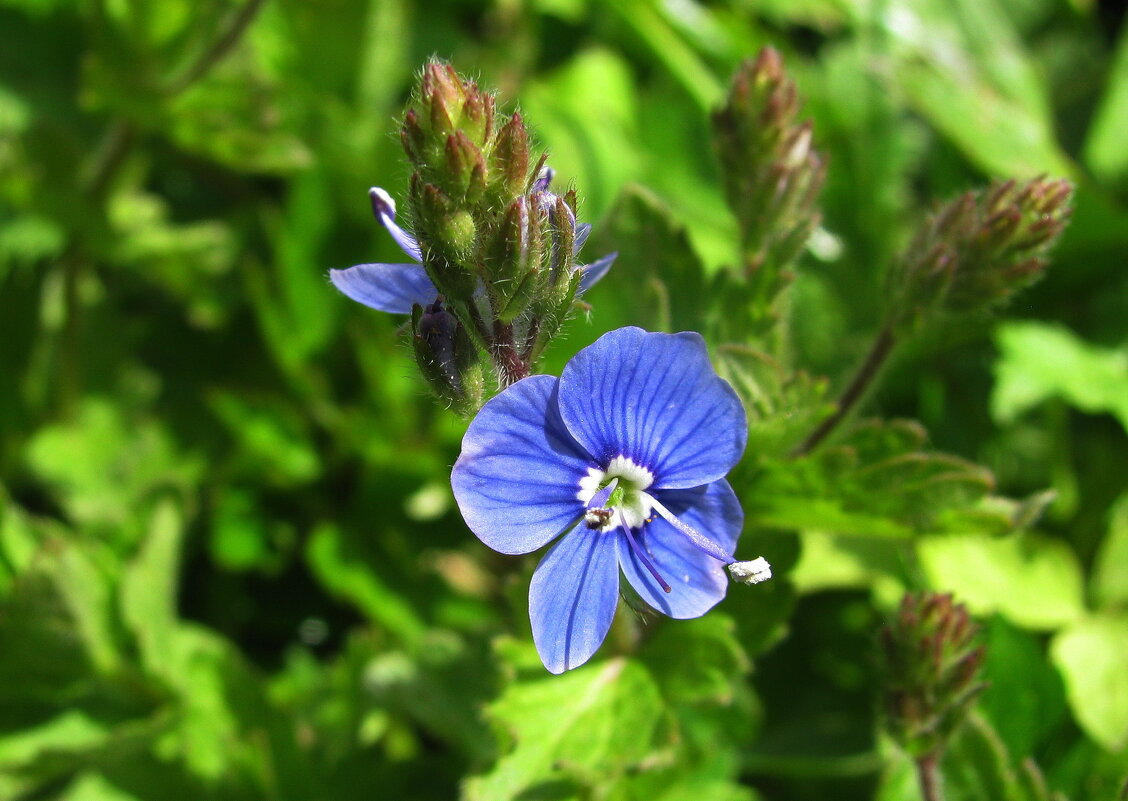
597,518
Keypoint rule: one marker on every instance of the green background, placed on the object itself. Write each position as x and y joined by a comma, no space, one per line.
230,562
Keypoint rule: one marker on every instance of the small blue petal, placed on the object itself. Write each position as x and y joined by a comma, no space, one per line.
655,399
385,210
572,598
544,179
390,288
697,580
583,230
518,475
595,271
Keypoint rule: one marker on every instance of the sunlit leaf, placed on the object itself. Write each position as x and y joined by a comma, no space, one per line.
1091,655
1033,580
597,721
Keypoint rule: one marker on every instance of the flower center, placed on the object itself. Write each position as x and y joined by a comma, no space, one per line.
618,490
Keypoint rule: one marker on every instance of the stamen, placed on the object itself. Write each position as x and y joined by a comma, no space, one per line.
642,555
755,571
698,539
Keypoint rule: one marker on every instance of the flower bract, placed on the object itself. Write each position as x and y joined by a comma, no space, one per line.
395,288
622,462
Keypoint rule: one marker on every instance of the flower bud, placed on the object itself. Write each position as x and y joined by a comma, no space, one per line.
510,158
514,267
979,249
447,357
930,664
772,175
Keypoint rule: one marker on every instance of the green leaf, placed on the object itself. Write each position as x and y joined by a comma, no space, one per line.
273,441
1110,571
1104,150
1024,698
149,587
1034,581
359,579
976,765
103,466
964,61
1039,361
595,722
657,279
782,407
584,130
876,482
1091,655
696,660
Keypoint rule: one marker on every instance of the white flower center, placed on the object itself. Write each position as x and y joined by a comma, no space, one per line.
627,496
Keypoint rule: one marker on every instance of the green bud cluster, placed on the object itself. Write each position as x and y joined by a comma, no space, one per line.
930,662
772,175
772,179
976,251
495,242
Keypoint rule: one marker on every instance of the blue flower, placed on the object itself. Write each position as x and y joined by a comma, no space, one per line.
396,288
623,458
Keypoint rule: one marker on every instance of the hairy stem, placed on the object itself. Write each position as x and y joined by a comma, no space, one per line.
510,366
879,352
928,773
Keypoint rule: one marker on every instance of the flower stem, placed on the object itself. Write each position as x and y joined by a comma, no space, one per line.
511,367
220,47
928,773
879,352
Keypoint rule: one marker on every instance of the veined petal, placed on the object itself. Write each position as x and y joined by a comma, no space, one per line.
583,230
385,210
517,478
572,598
697,580
390,288
595,271
655,399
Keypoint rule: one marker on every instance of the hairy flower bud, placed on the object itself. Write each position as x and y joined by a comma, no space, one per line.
930,663
976,251
772,178
771,173
447,357
511,157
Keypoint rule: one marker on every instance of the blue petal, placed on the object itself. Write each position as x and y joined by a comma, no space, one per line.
386,287
385,210
595,271
582,232
517,477
572,598
697,580
655,399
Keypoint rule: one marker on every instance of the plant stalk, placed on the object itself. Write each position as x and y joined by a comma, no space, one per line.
867,372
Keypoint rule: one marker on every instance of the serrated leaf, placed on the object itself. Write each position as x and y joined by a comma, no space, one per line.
875,482
1091,655
697,660
596,721
1034,581
782,407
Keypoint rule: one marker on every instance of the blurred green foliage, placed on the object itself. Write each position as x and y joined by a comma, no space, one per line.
230,564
